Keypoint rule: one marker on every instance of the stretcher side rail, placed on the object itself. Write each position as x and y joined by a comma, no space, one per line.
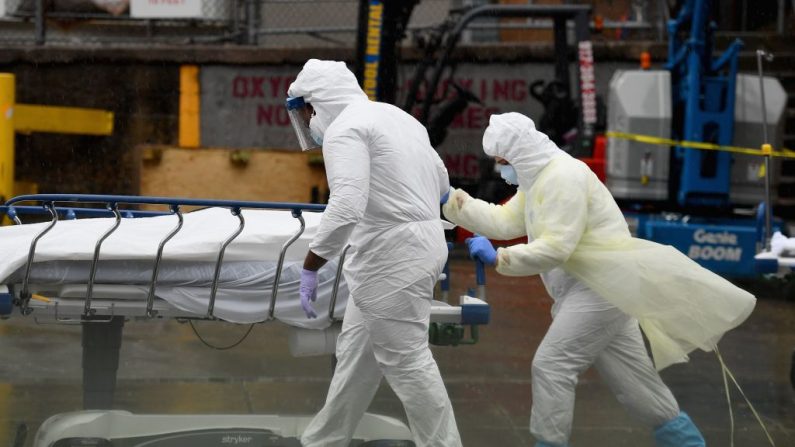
111,202
332,305
111,208
94,262
150,297
71,213
101,342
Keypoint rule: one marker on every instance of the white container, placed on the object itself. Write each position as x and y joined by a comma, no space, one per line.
747,187
182,9
639,102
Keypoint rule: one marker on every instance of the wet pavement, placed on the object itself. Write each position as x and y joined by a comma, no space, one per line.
164,368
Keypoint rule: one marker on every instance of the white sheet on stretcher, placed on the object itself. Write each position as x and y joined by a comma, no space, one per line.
243,296
137,239
199,241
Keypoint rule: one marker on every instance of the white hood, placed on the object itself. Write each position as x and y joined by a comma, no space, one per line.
514,137
329,86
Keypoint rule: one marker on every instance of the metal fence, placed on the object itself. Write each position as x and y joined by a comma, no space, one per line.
291,23
77,22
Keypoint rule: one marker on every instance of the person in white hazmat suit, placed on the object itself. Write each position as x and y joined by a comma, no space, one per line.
604,283
386,184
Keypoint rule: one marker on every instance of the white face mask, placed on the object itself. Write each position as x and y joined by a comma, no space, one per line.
508,173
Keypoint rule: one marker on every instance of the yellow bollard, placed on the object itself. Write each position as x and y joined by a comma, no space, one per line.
189,107
7,89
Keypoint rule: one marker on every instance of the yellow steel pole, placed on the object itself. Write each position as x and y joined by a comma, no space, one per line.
189,107
7,88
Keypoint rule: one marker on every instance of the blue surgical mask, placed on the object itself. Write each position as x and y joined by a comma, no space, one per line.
508,173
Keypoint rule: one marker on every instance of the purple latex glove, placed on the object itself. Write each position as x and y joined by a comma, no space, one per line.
481,248
308,291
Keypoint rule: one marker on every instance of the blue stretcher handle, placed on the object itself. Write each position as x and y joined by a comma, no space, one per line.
73,213
8,211
766,266
760,223
480,272
445,285
475,313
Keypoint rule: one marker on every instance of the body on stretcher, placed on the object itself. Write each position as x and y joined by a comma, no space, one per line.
233,261
236,261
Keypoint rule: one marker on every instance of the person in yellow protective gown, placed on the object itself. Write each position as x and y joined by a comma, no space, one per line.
604,282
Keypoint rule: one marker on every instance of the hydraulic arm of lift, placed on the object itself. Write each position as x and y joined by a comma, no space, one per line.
382,25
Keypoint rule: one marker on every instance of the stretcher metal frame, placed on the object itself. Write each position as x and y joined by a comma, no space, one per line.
101,342
175,205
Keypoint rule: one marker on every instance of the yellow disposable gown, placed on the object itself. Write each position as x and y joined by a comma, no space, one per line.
574,223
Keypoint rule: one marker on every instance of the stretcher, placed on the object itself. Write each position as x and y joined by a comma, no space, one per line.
229,261
235,261
115,428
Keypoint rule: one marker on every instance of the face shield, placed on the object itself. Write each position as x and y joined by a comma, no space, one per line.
300,114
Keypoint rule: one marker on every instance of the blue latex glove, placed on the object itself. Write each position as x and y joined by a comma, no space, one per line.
481,248
308,290
445,197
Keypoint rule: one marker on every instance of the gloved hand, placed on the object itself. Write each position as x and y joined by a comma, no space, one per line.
445,197
481,248
308,290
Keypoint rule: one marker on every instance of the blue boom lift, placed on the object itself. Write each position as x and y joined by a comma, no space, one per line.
693,205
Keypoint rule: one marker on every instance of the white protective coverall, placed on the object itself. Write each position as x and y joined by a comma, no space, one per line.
603,282
386,182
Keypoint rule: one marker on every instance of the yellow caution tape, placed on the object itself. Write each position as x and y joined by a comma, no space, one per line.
648,139
767,149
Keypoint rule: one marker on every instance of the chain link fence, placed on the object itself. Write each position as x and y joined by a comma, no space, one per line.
269,23
265,23
297,23
76,22
291,23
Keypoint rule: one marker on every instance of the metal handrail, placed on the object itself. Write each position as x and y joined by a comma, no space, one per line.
280,265
25,294
70,213
150,299
214,290
92,277
333,303
146,200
